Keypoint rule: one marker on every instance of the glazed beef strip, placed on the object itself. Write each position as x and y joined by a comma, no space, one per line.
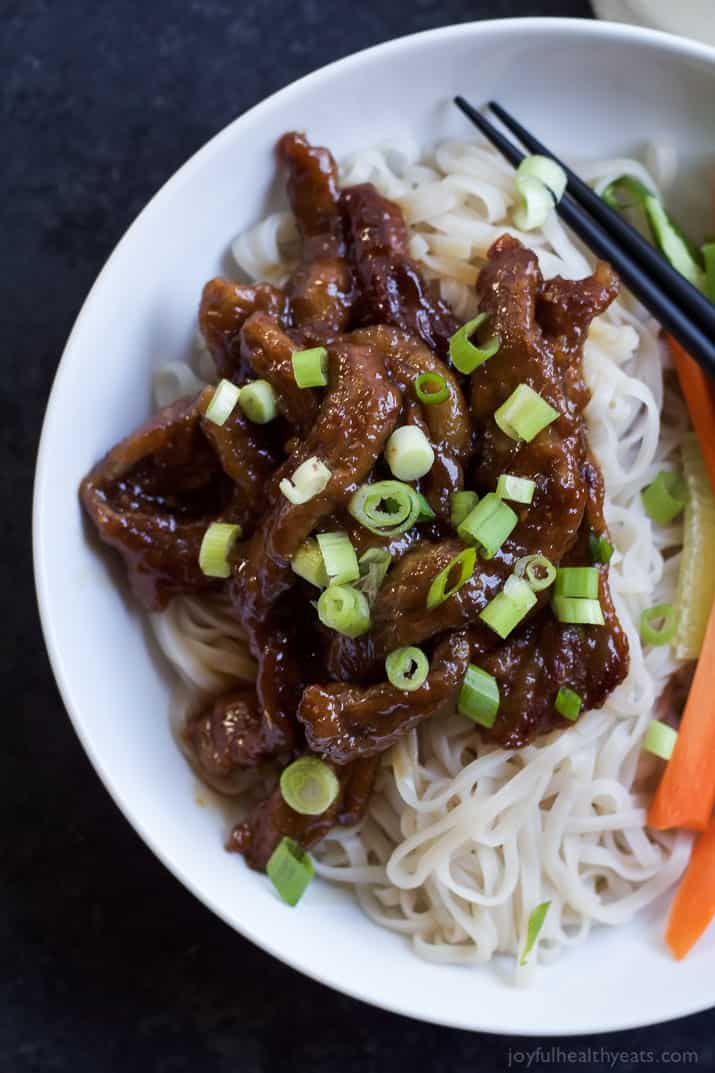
152,497
321,290
225,308
447,424
392,290
344,721
230,734
272,819
357,415
268,350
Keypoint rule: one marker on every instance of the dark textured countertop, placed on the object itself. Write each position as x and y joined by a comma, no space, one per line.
107,964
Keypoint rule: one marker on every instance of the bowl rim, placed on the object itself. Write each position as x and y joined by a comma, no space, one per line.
538,25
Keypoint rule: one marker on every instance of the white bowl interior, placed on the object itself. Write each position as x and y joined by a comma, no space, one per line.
586,89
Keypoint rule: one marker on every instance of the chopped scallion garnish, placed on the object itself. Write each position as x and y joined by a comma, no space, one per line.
488,525
431,388
374,564
309,480
517,489
580,612
537,570
579,581
568,703
540,182
599,548
507,609
439,590
660,739
479,697
309,786
386,508
665,497
524,414
310,367
341,564
426,513
308,564
465,356
258,402
223,402
533,927
290,870
460,506
216,545
409,453
658,625
345,610
407,668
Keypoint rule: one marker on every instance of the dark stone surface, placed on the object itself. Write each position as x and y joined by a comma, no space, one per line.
107,964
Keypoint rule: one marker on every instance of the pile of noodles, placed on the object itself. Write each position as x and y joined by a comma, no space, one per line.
463,840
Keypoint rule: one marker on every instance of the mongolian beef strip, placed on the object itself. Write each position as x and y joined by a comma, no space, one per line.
345,721
273,819
230,734
246,456
321,290
225,308
447,424
152,498
268,350
392,290
355,420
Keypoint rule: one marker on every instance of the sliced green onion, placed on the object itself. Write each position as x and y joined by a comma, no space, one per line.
517,489
431,388
465,356
386,508
660,739
438,591
310,367
409,453
533,927
665,497
479,697
216,545
540,183
223,402
426,513
568,703
258,402
571,609
488,525
580,581
308,481
309,786
509,606
524,414
658,625
290,870
667,236
537,570
308,564
374,564
460,505
345,610
407,668
708,251
599,548
339,556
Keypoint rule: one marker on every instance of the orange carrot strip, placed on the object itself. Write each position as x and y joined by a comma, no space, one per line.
686,794
694,904
699,392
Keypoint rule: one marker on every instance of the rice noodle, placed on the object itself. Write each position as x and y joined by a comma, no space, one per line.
462,839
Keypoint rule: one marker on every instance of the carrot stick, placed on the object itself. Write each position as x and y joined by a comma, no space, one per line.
694,904
699,392
686,793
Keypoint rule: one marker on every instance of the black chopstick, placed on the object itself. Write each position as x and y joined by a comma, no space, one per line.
681,290
653,295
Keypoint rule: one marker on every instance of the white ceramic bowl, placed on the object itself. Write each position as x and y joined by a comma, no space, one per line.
586,88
